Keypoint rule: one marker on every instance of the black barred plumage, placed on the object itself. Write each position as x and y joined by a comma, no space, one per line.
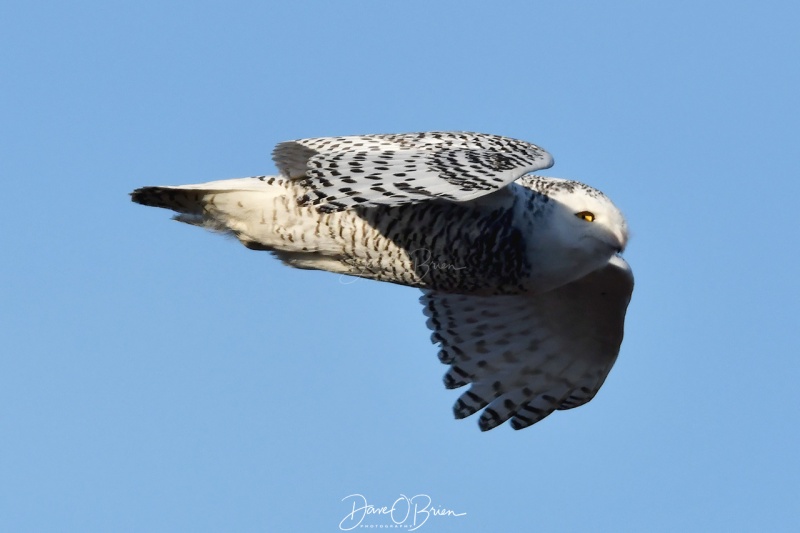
526,299
410,167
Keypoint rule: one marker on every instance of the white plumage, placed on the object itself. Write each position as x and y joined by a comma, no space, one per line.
524,287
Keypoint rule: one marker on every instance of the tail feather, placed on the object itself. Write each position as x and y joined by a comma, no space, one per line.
175,198
189,199
237,206
262,213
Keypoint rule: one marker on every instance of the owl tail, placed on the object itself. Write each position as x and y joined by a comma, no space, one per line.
261,212
229,206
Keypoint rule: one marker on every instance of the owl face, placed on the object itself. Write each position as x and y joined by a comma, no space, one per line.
578,230
588,214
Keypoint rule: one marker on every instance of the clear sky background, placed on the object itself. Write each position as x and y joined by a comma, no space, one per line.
154,377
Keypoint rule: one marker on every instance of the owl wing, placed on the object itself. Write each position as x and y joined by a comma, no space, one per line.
343,172
528,355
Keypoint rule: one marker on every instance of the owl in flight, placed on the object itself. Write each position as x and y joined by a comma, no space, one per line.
523,283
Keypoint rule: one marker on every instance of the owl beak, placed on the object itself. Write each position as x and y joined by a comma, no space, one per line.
622,238
622,242
617,241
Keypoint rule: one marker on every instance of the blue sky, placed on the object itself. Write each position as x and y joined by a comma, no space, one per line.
154,377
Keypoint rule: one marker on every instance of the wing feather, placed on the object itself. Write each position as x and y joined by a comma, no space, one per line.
343,172
526,356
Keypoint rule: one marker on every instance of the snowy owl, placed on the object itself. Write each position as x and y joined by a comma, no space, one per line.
524,286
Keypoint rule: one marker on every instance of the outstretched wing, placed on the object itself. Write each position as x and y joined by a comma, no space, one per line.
528,355
342,172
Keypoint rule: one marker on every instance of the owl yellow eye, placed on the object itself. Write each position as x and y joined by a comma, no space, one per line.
588,216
